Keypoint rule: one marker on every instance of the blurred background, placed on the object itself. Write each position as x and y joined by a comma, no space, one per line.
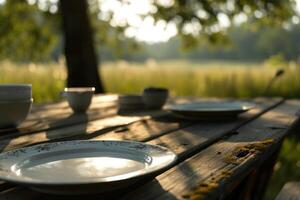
221,48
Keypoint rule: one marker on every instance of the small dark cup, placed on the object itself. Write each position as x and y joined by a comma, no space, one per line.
155,98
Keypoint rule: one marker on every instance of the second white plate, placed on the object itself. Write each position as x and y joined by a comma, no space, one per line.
209,110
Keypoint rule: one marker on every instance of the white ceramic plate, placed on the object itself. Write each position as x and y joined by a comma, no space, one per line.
82,166
210,110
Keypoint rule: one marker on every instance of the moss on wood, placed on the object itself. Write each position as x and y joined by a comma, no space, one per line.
236,157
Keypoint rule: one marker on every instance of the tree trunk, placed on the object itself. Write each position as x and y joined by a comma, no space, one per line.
79,50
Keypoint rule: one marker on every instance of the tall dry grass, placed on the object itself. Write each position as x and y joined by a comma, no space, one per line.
218,79
201,79
215,78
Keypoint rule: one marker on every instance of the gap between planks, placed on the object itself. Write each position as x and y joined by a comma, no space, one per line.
212,164
103,106
77,129
198,135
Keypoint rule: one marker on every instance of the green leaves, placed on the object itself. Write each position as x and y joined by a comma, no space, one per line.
205,13
26,33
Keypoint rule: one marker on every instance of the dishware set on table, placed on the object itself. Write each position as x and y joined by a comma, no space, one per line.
155,98
15,104
16,101
81,166
209,111
151,98
79,99
85,166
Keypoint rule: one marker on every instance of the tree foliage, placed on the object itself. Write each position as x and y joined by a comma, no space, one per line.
246,44
26,33
29,33
206,15
108,37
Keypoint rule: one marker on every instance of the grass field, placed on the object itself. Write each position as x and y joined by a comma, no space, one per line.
218,79
205,79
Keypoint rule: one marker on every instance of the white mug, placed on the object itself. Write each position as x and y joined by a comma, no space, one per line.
79,99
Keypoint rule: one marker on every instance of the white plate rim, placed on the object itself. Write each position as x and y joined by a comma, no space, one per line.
95,181
244,106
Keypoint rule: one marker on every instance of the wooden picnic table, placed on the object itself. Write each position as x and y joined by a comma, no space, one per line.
216,159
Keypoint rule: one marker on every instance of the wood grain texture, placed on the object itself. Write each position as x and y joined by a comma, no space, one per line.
290,191
85,124
144,130
99,100
211,173
84,130
59,115
186,140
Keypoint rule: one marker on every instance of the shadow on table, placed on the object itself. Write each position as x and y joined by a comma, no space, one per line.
5,142
54,133
132,192
295,133
139,112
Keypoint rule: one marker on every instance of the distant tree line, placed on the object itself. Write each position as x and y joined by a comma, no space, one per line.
246,42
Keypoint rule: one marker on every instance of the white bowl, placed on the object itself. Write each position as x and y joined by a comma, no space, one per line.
15,92
13,113
79,99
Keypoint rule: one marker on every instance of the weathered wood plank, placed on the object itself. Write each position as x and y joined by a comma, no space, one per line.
55,130
290,191
97,99
207,127
144,130
193,139
56,109
59,115
254,185
136,131
83,129
103,106
18,194
190,139
211,173
45,124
